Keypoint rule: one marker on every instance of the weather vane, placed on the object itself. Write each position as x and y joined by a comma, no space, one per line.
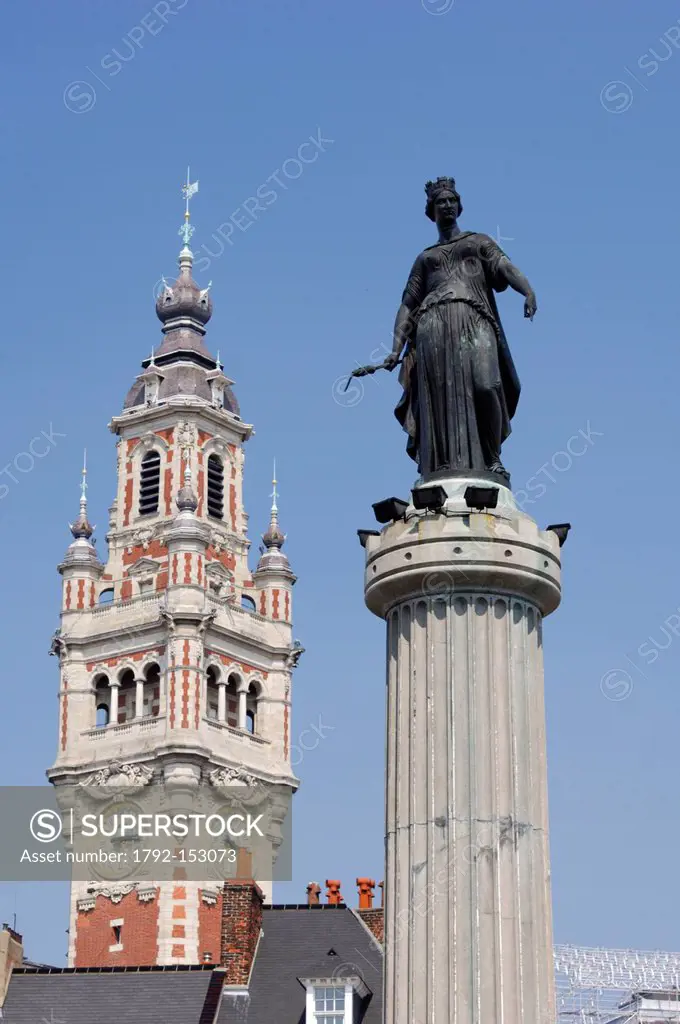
83,484
189,189
275,494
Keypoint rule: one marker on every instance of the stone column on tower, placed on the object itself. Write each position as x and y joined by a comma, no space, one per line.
467,898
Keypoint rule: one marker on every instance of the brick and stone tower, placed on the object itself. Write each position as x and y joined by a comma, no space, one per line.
175,659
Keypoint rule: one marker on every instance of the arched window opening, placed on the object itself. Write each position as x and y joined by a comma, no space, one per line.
251,708
106,596
152,691
126,696
248,603
212,702
101,702
215,487
149,483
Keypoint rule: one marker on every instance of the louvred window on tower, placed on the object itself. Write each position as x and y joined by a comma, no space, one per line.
215,487
149,484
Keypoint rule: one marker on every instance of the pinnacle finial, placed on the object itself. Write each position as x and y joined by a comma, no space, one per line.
83,484
186,499
274,538
81,527
274,494
187,229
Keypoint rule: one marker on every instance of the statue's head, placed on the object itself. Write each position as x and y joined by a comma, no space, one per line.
443,202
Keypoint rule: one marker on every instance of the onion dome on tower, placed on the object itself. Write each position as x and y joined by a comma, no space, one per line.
81,569
272,558
82,551
182,364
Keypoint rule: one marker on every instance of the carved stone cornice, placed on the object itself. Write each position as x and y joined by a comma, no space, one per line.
118,776
237,776
115,891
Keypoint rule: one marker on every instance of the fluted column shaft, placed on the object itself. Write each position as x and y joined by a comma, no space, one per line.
468,933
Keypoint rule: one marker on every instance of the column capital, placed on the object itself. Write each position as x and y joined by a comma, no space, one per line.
430,556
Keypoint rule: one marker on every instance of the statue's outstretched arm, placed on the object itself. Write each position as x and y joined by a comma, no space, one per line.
516,279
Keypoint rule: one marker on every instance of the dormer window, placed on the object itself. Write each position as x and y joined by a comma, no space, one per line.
333,1000
329,1004
215,487
149,483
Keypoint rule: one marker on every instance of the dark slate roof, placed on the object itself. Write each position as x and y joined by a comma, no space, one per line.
134,996
295,944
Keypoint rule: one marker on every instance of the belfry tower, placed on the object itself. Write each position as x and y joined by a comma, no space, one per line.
175,659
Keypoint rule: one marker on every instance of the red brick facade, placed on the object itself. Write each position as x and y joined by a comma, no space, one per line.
209,929
375,920
138,933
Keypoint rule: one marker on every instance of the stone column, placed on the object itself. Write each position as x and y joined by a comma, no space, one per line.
139,698
468,934
242,704
221,700
113,709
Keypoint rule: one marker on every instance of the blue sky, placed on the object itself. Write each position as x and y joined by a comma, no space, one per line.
105,105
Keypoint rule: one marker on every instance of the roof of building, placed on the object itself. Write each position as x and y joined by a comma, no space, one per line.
187,995
296,943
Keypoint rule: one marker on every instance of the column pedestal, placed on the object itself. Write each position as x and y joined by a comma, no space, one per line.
468,933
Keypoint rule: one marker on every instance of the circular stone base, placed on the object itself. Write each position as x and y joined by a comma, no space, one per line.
460,550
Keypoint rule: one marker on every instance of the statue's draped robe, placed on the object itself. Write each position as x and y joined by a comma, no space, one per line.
457,355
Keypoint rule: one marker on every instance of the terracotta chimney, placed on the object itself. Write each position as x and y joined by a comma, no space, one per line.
313,890
241,926
334,894
366,887
11,955
373,917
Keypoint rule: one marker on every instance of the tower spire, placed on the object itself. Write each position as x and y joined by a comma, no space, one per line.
274,538
274,496
81,527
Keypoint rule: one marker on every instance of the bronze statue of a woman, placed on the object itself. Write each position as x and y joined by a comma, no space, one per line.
459,380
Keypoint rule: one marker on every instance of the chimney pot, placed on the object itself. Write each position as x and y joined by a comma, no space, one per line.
313,890
366,887
334,894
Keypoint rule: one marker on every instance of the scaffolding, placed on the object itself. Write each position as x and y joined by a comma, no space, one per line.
616,986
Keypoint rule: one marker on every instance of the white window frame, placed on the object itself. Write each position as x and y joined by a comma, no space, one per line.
352,986
117,947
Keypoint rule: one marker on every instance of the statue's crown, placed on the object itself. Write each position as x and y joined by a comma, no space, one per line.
433,188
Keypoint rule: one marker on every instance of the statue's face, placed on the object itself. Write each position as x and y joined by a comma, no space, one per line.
445,208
